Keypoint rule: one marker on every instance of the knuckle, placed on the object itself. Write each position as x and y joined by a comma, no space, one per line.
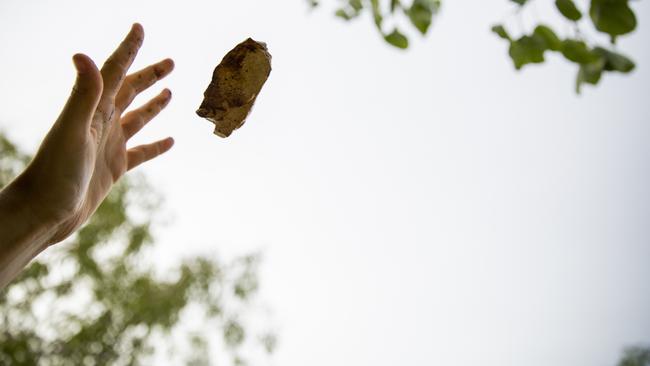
138,123
115,65
129,93
151,109
136,158
134,122
86,89
132,45
149,77
112,62
158,72
136,39
106,113
79,90
141,80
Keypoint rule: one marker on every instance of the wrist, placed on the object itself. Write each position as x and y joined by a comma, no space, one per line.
20,200
22,234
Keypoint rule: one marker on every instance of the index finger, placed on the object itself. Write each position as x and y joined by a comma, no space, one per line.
116,66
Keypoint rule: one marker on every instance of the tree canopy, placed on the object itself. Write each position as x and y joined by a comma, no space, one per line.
95,299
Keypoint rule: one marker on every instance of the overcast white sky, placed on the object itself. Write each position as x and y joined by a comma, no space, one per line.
429,207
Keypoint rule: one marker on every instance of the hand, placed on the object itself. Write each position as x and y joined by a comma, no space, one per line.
85,152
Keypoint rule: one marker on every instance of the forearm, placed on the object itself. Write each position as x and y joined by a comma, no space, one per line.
22,234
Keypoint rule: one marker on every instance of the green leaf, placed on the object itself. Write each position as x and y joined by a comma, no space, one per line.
568,9
356,5
420,13
270,342
376,14
578,52
589,74
246,285
350,11
501,31
233,333
138,236
341,13
527,50
549,37
615,61
397,39
613,17
520,2
394,4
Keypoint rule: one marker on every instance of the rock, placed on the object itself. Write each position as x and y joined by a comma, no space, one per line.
235,84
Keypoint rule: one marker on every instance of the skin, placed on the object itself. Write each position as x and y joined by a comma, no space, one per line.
83,155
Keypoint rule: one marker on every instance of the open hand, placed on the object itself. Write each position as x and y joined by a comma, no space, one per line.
85,152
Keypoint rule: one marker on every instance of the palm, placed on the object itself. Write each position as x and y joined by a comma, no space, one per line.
112,158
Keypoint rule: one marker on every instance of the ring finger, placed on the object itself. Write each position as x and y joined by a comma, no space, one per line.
133,121
139,81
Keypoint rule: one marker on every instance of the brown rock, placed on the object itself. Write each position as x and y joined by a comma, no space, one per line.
236,81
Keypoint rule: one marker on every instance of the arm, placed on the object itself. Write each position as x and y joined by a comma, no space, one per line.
82,156
22,237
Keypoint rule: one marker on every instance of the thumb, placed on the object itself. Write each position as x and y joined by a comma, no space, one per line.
81,105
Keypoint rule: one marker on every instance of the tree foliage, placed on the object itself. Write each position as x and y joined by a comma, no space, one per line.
613,18
636,356
96,300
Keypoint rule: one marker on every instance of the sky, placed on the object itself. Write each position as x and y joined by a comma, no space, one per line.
427,207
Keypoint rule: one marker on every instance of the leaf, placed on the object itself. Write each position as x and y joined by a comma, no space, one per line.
420,13
578,52
520,2
615,61
269,341
356,5
568,9
613,17
341,13
589,74
233,333
245,285
351,11
397,39
501,31
376,13
527,50
549,37
394,4
238,361
138,236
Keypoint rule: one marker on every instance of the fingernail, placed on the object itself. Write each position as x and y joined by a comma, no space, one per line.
169,142
167,92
